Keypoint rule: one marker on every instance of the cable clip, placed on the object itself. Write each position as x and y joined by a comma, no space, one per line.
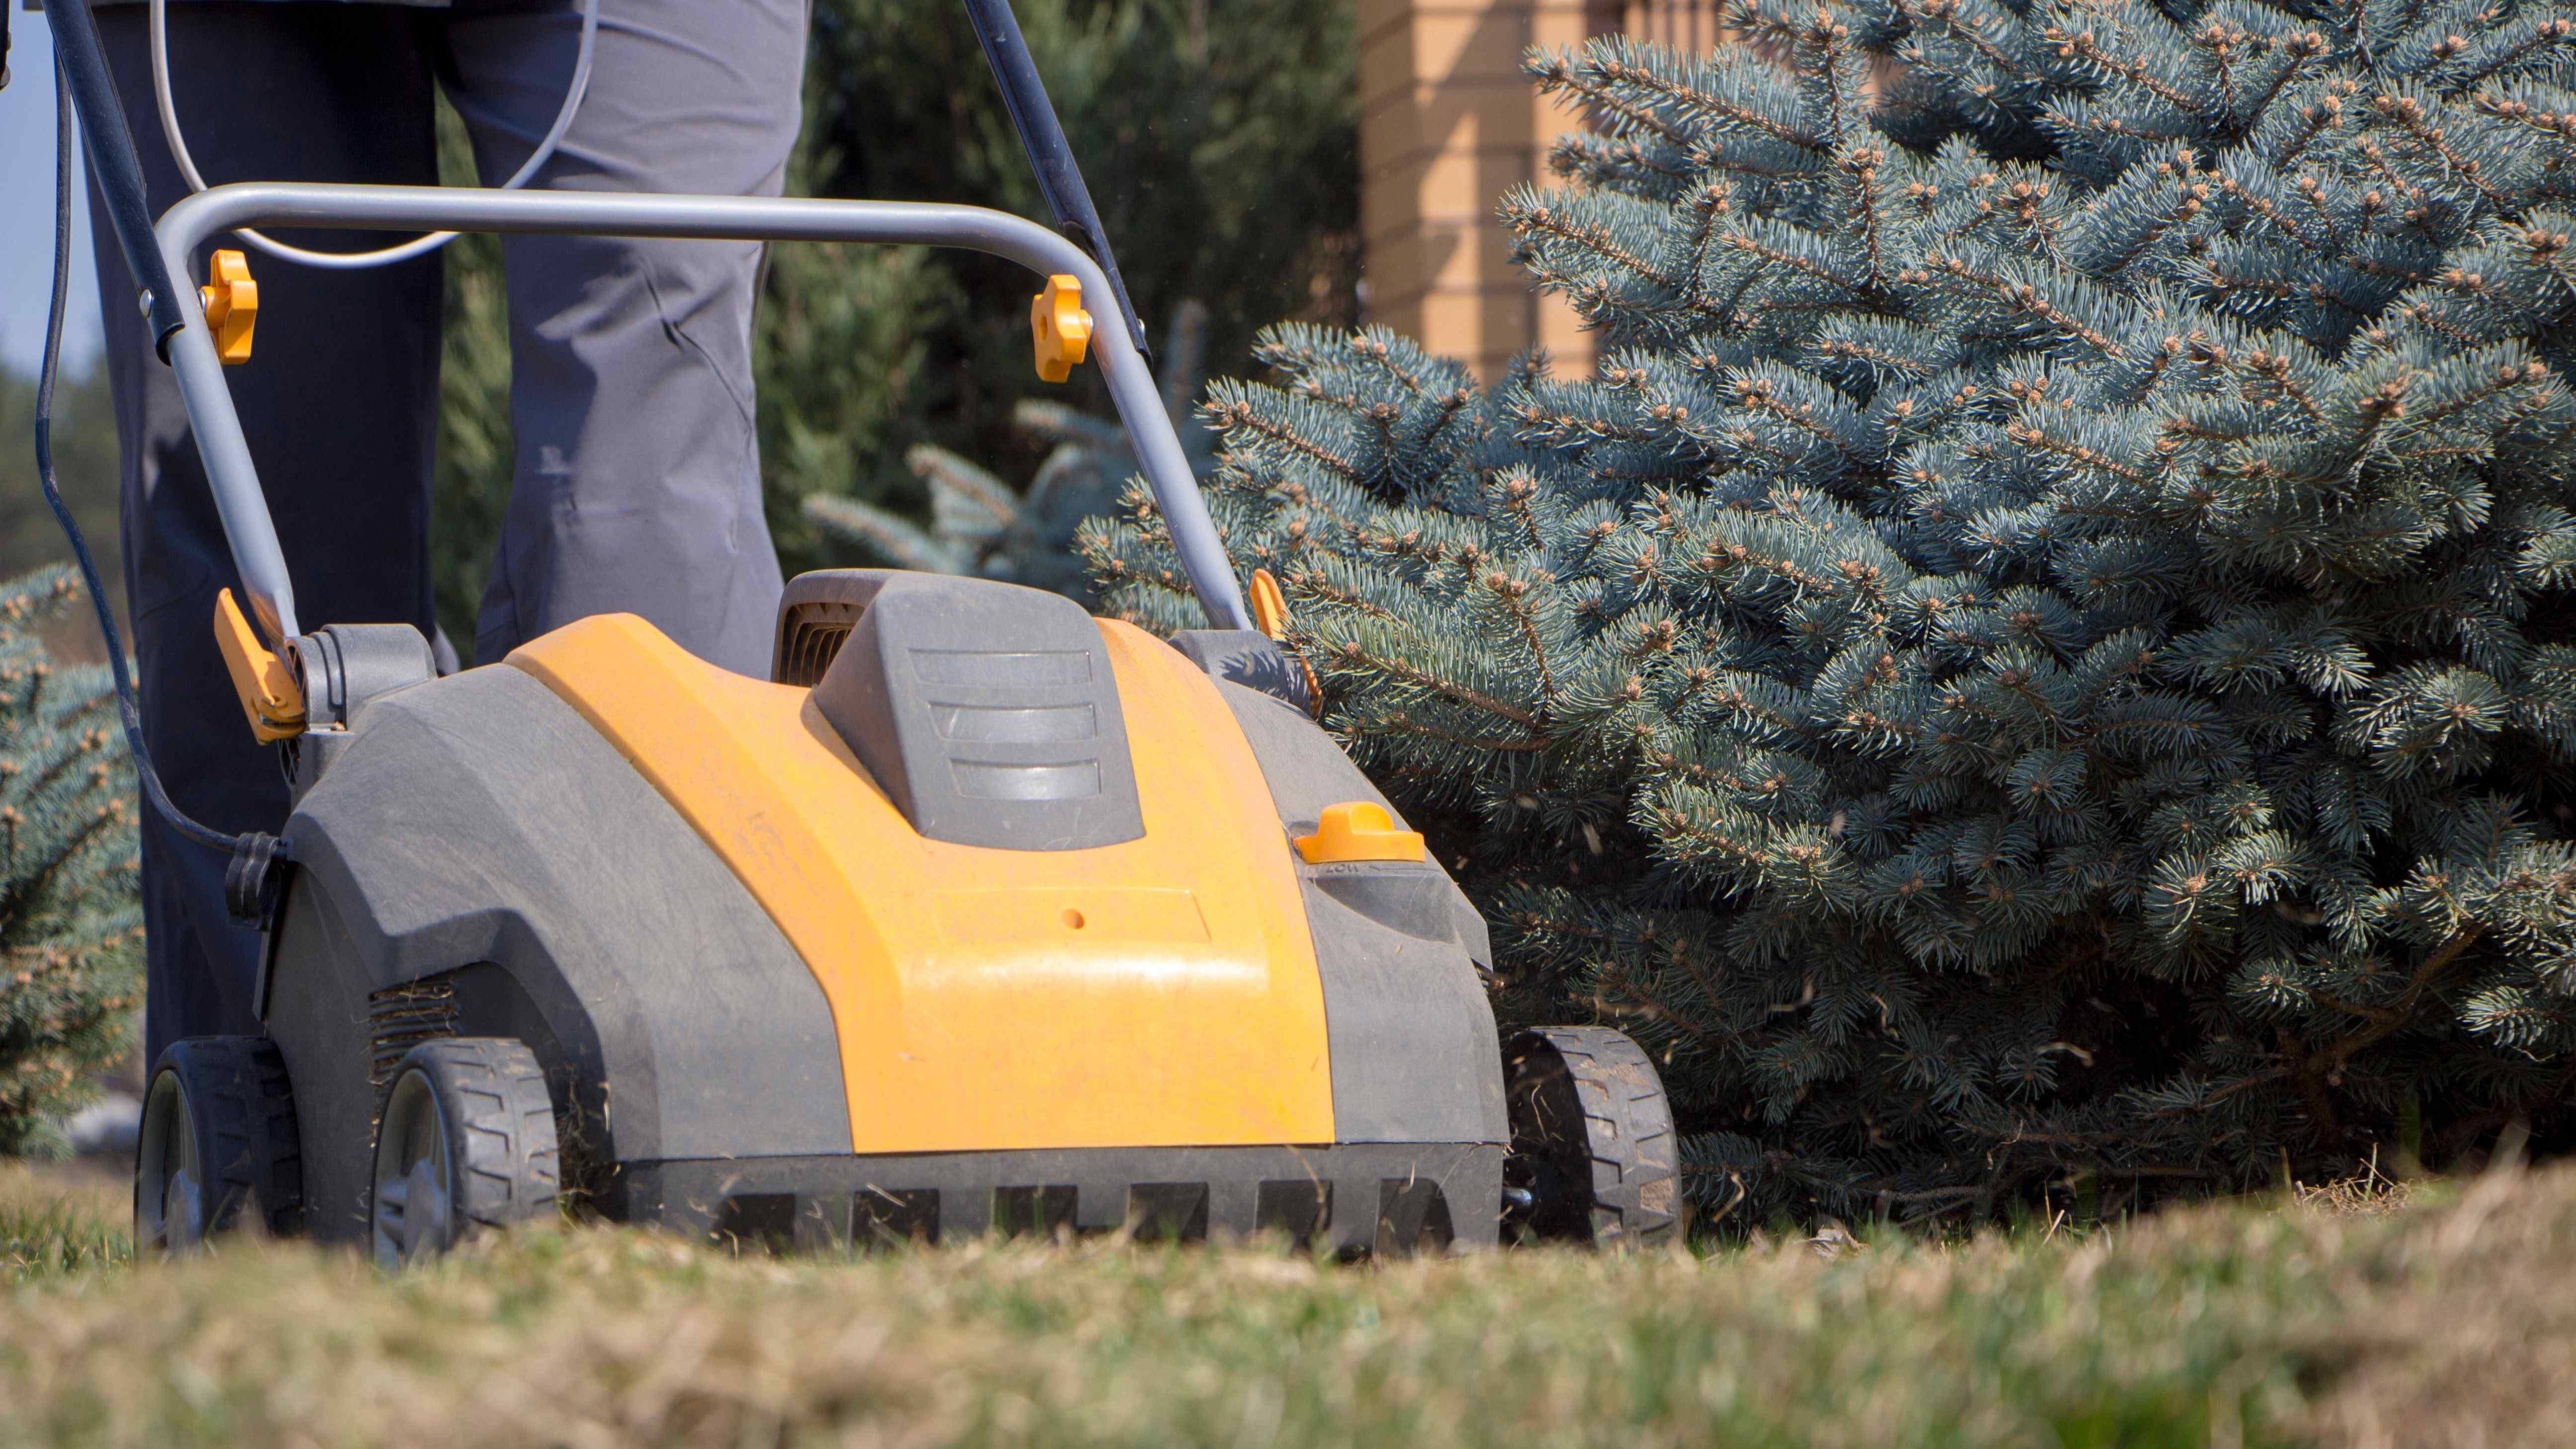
255,876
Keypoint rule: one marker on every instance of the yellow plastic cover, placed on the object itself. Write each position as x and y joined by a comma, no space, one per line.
1157,992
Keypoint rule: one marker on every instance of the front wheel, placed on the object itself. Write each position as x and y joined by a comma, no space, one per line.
466,1143
217,1148
1594,1156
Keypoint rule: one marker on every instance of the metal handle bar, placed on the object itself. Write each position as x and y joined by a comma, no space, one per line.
244,509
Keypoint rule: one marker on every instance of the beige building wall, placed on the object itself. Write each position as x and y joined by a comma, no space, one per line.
1448,124
1682,24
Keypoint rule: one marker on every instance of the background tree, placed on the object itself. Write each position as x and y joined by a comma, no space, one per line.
85,463
70,930
2044,656
981,525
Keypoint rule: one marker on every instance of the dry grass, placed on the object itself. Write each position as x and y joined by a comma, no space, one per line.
2447,1321
2370,1191
61,1220
2461,1328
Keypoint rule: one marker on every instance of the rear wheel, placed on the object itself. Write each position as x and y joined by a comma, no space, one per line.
466,1143
217,1147
1594,1156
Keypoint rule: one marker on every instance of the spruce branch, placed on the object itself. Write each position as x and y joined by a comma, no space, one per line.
2084,46
2068,546
1349,653
2417,120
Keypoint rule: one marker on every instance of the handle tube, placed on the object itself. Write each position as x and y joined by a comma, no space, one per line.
244,508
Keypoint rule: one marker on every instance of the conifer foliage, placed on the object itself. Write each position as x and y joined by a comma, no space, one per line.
70,926
2045,655
980,525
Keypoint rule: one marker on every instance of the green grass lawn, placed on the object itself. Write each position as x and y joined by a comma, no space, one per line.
2449,1321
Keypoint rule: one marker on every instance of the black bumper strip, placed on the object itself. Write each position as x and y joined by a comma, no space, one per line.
1365,1197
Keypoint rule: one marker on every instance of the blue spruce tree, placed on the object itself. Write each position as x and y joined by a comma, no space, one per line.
70,926
2045,657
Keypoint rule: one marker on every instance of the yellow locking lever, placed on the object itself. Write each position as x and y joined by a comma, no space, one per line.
268,691
231,300
1270,616
1269,606
1059,327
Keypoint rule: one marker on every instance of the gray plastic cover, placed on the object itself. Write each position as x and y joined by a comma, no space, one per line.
1250,658
480,819
1415,1056
346,665
986,712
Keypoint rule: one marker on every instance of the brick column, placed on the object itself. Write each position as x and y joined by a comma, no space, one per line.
1690,25
1448,123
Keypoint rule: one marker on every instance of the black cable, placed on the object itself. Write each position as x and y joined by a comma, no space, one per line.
125,210
1050,155
251,846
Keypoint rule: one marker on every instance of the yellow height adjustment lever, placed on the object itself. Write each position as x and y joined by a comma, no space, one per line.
267,687
231,300
1060,327
1358,830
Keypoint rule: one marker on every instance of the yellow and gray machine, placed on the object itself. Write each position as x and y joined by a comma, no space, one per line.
977,913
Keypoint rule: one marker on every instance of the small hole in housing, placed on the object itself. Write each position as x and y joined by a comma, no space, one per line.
1073,918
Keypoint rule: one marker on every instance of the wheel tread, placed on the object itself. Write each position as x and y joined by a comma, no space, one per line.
501,1126
244,1110
1630,1145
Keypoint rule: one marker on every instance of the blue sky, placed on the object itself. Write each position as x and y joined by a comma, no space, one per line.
27,211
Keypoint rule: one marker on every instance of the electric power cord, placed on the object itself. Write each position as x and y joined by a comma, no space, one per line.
384,256
252,853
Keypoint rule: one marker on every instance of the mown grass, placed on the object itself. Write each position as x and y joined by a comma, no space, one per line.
2449,1321
60,1222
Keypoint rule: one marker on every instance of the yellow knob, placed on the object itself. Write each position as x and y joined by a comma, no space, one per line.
1358,830
1059,327
231,300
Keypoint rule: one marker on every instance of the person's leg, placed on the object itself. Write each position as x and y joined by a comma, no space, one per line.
339,402
637,482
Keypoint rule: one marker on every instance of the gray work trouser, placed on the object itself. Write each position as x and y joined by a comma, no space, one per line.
636,483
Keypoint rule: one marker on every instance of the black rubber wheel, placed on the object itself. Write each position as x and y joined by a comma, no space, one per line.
1594,1156
217,1148
466,1142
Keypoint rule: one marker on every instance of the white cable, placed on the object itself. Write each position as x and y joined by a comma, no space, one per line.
417,246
